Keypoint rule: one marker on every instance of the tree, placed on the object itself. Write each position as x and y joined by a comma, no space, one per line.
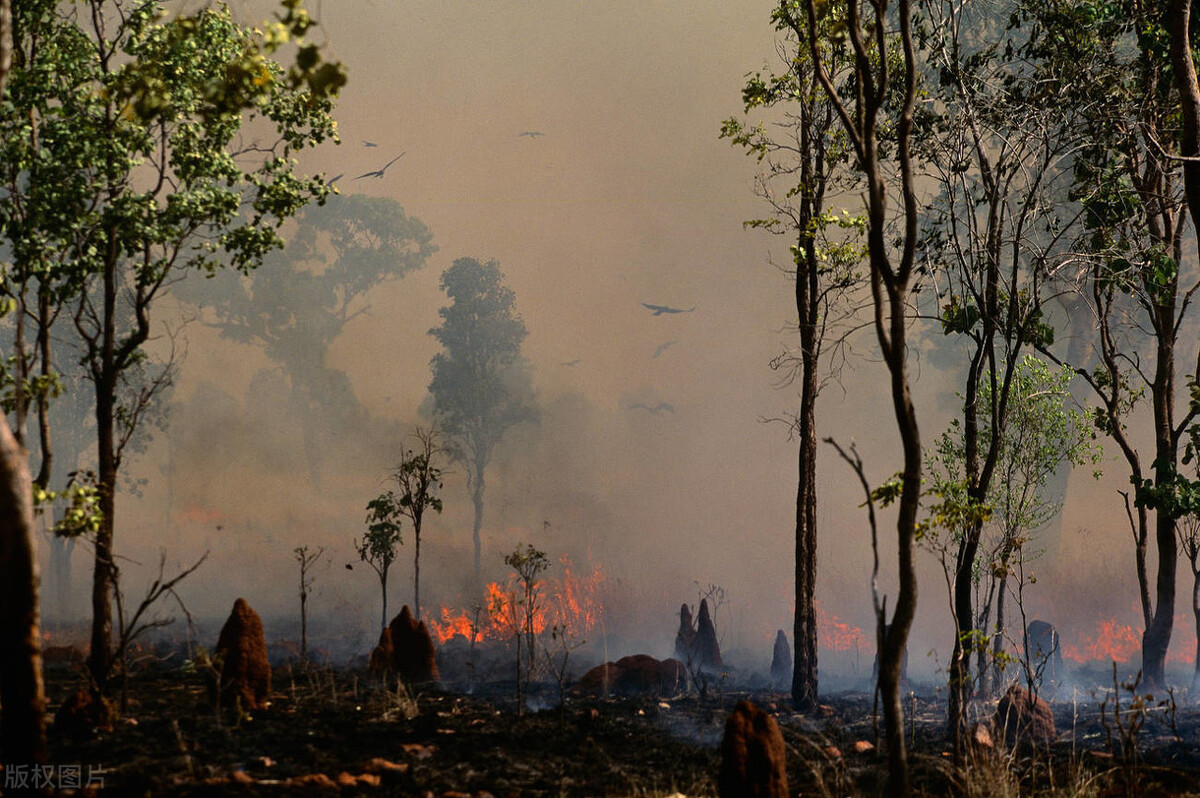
22,693
166,192
883,98
23,726
306,559
529,563
418,478
803,164
1108,61
998,151
481,385
297,303
1041,434
377,548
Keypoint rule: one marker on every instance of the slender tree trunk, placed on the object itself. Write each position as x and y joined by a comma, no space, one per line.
417,570
383,591
22,726
303,618
804,630
1196,617
477,499
960,664
45,470
808,306
105,380
998,644
1157,638
1184,68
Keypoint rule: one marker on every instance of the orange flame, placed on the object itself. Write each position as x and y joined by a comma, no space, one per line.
1113,641
572,603
835,635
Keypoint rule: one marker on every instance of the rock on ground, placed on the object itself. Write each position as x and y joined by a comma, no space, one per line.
242,652
753,756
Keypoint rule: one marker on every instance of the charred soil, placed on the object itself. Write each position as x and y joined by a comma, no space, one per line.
330,731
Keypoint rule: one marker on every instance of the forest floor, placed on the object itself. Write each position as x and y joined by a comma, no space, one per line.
334,731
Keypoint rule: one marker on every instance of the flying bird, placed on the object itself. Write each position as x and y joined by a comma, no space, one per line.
379,172
334,179
661,407
533,134
661,309
574,362
369,143
663,347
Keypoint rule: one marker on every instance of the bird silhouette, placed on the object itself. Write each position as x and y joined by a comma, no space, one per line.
533,134
574,362
369,143
379,172
661,309
661,407
663,348
334,179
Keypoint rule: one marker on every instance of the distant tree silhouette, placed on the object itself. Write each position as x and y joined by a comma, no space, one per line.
481,384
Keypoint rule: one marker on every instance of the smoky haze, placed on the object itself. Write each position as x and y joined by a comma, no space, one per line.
628,197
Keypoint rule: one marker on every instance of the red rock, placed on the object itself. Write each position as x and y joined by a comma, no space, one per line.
863,747
706,650
344,779
242,652
1023,718
82,715
832,751
639,674
383,657
413,654
781,662
753,756
686,635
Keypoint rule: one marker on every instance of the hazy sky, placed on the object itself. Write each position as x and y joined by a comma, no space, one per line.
628,197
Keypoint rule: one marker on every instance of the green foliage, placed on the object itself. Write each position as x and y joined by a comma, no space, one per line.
1040,432
383,529
80,501
481,385
527,561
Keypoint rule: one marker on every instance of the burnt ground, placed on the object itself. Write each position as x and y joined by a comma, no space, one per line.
334,731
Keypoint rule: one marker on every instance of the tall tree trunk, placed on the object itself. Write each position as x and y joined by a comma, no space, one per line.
804,629
1196,616
104,377
417,571
22,726
45,470
1183,66
383,592
477,499
99,660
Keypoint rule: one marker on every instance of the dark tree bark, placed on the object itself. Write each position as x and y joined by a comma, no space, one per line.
809,304
890,282
22,726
